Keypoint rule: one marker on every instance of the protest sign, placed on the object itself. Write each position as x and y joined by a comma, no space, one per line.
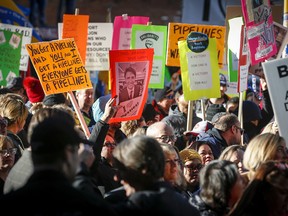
10,54
59,66
199,70
234,47
122,30
26,39
76,26
276,74
260,30
243,62
152,36
179,31
281,38
130,74
10,13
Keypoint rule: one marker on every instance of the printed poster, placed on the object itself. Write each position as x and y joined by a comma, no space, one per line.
26,39
130,75
123,28
59,66
76,26
10,54
152,36
276,74
199,70
259,29
179,31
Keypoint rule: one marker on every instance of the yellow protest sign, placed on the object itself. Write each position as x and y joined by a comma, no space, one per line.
59,66
200,72
179,31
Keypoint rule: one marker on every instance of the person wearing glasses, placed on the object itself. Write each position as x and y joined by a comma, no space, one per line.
192,165
7,159
162,132
226,131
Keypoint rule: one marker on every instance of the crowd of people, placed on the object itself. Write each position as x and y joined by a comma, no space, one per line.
152,165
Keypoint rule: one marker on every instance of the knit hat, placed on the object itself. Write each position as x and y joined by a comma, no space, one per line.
213,109
98,107
223,80
251,111
54,99
33,89
189,155
161,93
149,113
200,127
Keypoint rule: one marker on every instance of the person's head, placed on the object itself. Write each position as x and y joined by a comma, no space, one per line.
182,103
108,148
221,185
235,154
192,164
129,127
251,113
271,127
130,77
54,141
54,99
230,128
7,153
164,98
13,109
268,191
140,162
262,148
177,123
33,89
223,84
232,104
15,85
204,149
85,98
172,164
161,132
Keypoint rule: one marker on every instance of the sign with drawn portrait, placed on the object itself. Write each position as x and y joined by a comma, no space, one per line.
130,75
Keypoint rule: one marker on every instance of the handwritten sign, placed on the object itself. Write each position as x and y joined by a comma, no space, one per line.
260,30
200,72
10,53
26,39
130,74
179,31
122,30
59,66
152,36
76,26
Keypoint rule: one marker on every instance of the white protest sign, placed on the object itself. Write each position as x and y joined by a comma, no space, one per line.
26,39
99,43
276,73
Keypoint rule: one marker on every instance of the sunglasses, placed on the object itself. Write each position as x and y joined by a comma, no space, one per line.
241,129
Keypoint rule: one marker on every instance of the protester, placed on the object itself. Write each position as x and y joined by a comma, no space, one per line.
7,158
162,132
203,148
140,162
33,90
85,99
15,85
220,188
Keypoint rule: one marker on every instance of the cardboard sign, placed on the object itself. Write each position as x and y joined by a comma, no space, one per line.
243,62
200,72
26,39
130,74
260,30
122,30
179,31
152,36
59,66
76,26
276,73
10,54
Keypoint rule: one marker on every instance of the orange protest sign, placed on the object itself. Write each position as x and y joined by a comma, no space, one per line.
180,31
76,26
59,66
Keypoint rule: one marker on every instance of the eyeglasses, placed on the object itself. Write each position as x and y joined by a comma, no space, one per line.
173,162
11,151
166,138
241,129
109,144
193,167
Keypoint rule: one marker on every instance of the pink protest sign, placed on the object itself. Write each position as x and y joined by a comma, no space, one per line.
123,28
260,30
